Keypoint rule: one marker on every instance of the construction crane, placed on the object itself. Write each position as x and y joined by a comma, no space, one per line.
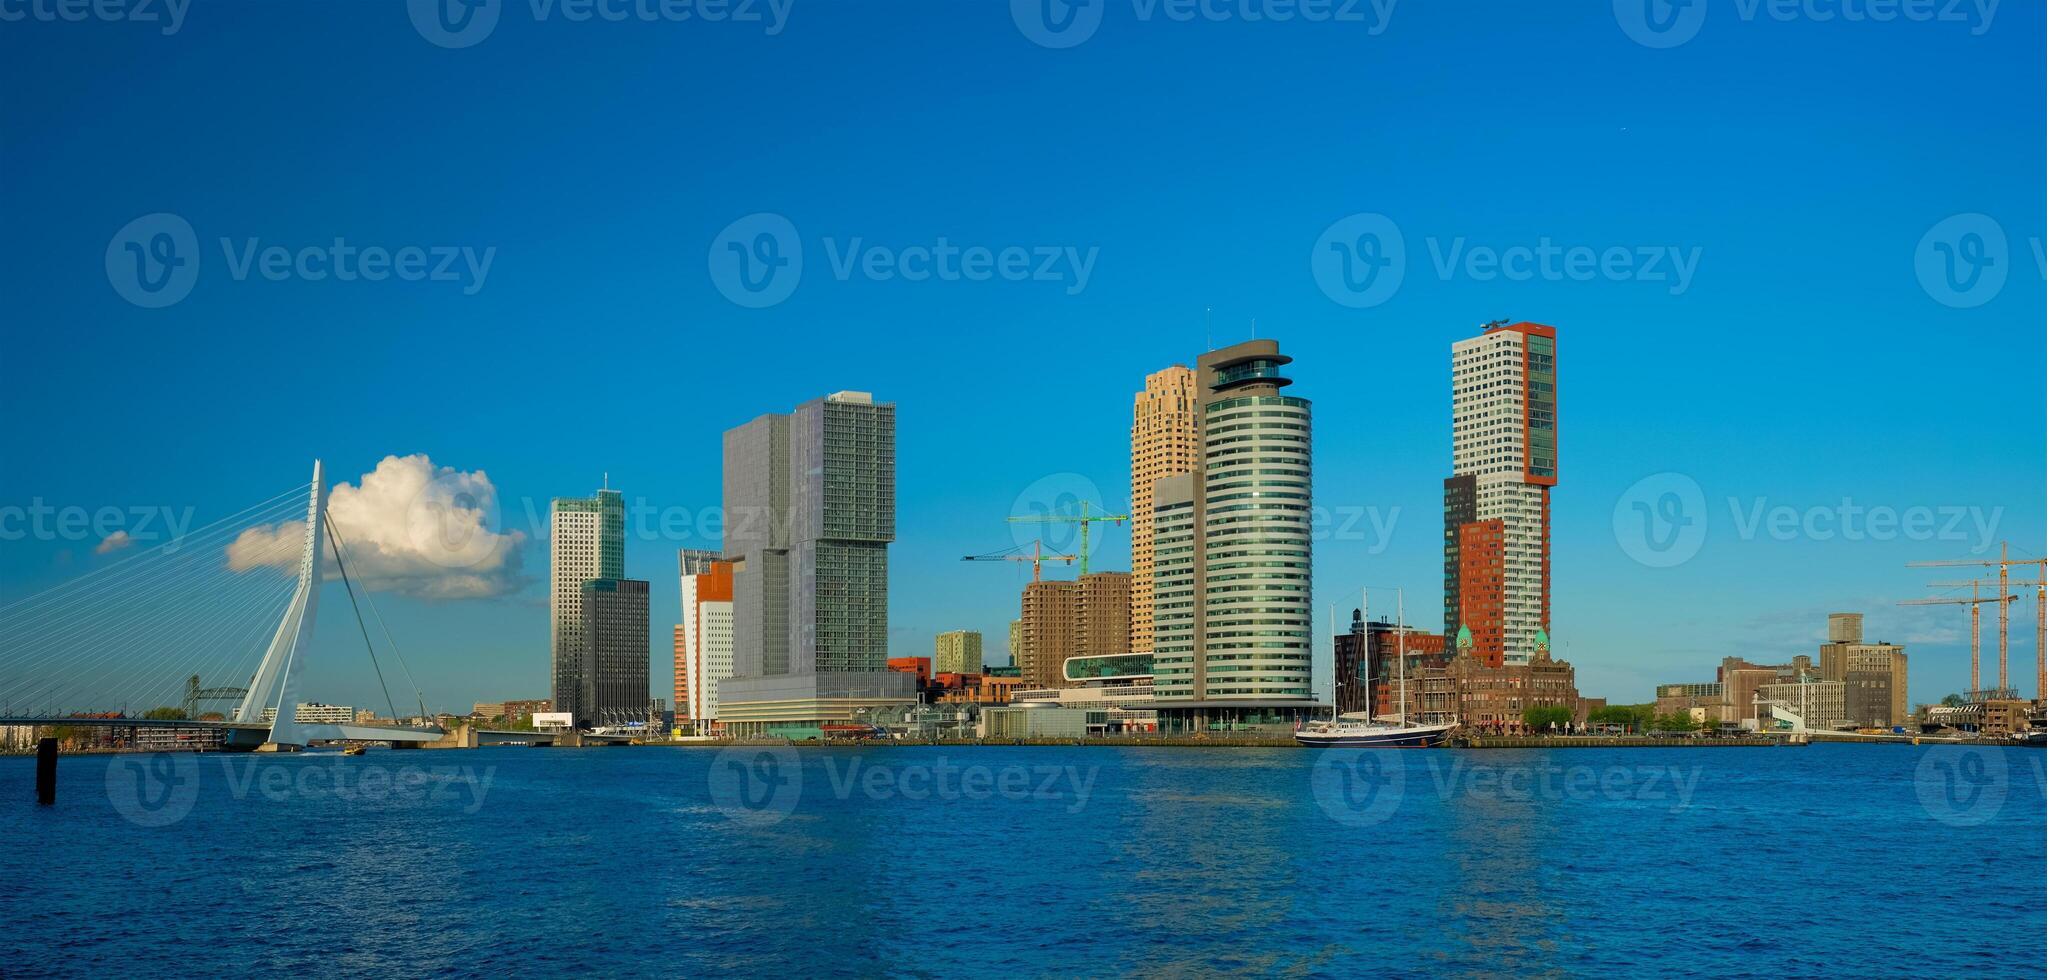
2040,621
1975,604
2003,563
1084,519
1036,556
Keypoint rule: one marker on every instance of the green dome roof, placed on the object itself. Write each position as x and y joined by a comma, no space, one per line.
1463,636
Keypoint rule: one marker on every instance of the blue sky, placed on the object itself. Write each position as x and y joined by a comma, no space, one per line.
1803,362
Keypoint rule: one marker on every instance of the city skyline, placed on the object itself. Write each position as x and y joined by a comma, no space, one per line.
1000,606
1501,437
1843,373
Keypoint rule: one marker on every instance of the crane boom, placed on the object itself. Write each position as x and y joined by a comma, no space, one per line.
1036,556
1084,519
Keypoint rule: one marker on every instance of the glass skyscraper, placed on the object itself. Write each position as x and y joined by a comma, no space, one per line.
586,541
1232,613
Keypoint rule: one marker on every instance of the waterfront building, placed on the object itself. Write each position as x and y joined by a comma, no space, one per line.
1874,673
1118,684
315,713
1385,642
510,711
973,688
1468,689
1089,616
1741,683
1164,441
1367,663
1822,703
1708,701
810,511
180,739
1232,608
703,652
957,652
1015,640
1043,721
586,541
1496,503
954,687
615,663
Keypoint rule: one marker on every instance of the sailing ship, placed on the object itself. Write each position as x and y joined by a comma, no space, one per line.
1357,730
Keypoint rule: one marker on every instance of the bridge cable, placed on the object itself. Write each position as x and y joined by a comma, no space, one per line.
334,544
389,641
395,652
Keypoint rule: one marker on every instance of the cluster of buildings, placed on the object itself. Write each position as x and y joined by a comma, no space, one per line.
784,629
1855,684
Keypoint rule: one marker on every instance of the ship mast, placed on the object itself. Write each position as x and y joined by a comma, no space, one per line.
1400,643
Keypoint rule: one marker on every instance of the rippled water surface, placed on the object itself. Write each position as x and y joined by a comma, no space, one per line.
1828,860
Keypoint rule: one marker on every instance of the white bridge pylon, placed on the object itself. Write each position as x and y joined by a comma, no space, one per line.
276,682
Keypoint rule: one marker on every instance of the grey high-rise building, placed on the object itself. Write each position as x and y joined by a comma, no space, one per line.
586,541
810,500
615,656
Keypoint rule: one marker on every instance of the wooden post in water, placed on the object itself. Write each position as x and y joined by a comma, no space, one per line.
46,771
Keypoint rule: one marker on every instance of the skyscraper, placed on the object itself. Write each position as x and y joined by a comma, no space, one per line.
1232,621
1496,504
956,652
586,541
703,638
1163,442
613,682
810,511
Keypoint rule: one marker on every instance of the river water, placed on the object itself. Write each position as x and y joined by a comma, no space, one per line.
1827,860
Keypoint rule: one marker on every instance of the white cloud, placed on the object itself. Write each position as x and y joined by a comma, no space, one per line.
113,542
409,527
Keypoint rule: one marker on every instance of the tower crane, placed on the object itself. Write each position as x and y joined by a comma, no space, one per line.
1975,604
2003,563
1036,556
1084,519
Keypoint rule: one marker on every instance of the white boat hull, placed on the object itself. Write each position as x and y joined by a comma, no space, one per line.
1375,737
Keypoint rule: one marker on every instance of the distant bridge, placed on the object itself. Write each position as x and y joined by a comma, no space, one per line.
48,645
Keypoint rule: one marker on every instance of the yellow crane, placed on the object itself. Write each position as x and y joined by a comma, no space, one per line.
1084,519
1975,604
2003,563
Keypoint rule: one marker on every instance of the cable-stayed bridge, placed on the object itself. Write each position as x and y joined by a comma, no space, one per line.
134,644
